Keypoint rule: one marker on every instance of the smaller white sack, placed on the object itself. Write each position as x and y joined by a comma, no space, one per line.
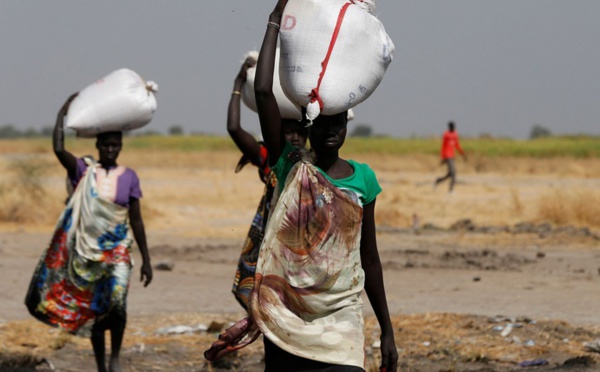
120,101
286,108
334,54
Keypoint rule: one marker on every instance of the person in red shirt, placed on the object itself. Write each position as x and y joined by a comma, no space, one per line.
449,144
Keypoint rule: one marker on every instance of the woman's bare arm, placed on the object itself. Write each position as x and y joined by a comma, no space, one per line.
268,110
244,140
68,161
375,289
139,233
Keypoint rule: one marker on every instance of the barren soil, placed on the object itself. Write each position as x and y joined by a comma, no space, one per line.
452,293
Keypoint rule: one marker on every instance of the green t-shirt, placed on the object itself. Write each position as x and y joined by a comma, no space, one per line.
363,181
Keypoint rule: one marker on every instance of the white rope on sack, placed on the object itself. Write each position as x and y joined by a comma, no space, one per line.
151,87
251,56
368,5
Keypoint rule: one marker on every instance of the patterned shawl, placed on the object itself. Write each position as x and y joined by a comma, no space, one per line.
85,271
308,281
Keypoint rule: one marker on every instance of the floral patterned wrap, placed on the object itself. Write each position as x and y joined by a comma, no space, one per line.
308,281
84,273
244,275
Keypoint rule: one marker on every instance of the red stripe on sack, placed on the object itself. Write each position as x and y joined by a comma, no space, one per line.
314,93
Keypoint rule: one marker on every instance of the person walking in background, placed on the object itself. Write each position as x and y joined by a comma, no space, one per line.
255,152
449,144
81,282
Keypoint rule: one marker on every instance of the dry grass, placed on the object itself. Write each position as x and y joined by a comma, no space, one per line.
194,192
567,206
516,201
24,196
466,338
441,339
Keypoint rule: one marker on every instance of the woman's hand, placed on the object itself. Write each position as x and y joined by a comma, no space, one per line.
65,107
389,354
243,74
146,273
277,13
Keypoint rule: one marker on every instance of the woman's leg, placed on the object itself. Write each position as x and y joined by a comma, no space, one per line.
117,331
98,345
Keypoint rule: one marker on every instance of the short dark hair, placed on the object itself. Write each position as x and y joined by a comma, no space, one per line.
451,125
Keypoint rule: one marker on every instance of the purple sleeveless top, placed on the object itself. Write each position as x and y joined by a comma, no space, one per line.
118,185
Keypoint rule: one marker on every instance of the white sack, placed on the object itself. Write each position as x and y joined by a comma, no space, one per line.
287,109
120,101
358,60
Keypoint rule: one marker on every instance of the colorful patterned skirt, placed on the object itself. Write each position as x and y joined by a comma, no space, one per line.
84,273
244,275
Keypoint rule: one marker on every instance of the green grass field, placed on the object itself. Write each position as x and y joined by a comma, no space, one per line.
575,147
539,148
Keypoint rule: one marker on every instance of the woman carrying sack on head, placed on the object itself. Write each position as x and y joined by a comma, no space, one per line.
319,251
80,284
256,153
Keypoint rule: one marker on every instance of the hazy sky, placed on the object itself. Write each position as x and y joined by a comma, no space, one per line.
493,66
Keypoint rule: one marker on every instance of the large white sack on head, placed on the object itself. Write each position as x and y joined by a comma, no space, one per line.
286,108
358,56
120,101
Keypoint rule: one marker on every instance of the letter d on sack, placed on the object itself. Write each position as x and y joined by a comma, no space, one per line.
289,22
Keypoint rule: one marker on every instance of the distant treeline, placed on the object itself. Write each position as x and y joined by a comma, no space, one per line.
574,146
542,146
10,131
546,147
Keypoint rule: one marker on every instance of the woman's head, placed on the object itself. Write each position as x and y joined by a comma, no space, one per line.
294,132
109,146
328,133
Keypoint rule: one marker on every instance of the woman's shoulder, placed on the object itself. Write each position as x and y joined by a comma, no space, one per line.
365,181
361,169
130,173
129,180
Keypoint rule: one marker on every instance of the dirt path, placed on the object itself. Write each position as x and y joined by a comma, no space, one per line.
552,278
436,272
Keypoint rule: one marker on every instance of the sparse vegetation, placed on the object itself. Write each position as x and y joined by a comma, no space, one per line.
500,189
11,131
578,207
190,191
23,196
516,201
550,147
426,342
